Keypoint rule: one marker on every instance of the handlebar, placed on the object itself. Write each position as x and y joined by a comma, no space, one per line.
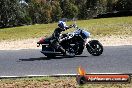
74,26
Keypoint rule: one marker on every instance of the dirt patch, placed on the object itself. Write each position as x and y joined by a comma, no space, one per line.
115,40
31,43
19,44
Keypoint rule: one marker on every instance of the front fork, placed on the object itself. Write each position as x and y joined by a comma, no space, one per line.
86,41
87,44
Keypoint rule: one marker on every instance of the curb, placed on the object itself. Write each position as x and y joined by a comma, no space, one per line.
55,75
31,76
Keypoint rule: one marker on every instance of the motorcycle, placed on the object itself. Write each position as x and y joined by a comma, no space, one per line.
74,43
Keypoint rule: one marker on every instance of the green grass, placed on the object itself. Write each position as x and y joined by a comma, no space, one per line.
55,82
97,27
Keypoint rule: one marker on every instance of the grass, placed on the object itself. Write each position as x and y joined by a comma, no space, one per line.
38,82
55,82
97,27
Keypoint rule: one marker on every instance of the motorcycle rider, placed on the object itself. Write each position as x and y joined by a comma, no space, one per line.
56,34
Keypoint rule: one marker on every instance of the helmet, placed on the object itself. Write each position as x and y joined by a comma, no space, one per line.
62,24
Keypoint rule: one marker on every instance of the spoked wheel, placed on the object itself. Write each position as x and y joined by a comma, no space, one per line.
95,48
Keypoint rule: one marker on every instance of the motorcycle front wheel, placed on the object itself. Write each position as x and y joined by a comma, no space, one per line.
94,47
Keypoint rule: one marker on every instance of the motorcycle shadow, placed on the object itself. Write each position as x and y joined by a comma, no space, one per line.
45,58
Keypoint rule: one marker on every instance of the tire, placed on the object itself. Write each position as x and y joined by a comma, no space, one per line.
95,48
48,55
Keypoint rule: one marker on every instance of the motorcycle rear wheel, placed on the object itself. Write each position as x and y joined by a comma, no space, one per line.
48,55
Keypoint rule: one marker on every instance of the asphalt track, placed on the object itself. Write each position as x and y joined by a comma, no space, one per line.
115,59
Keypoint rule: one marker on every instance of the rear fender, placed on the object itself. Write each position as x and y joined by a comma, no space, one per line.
43,41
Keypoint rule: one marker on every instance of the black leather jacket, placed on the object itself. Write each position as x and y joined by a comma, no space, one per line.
57,33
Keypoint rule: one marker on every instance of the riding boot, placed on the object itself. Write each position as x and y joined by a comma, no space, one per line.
62,50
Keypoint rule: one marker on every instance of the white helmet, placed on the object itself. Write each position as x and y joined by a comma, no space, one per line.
62,24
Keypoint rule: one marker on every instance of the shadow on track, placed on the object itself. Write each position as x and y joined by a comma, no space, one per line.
45,58
40,58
